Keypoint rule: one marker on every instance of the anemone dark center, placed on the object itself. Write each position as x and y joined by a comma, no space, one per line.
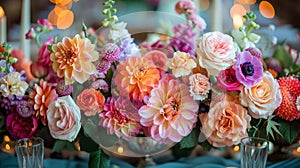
248,69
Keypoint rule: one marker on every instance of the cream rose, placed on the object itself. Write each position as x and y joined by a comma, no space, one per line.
263,98
215,52
63,117
225,124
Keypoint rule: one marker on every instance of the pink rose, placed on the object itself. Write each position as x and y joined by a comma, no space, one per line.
44,53
64,117
216,52
225,124
227,80
90,101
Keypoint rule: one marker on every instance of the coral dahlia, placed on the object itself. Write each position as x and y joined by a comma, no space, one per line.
290,90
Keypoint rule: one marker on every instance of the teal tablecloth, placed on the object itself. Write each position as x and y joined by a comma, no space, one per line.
10,161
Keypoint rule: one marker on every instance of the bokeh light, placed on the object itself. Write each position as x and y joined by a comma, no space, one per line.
237,21
266,9
237,9
65,19
246,2
204,5
1,12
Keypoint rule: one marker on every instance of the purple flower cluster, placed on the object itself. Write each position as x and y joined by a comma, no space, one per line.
180,45
185,33
128,48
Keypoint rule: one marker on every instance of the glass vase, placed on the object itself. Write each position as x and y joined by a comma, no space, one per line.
30,152
254,152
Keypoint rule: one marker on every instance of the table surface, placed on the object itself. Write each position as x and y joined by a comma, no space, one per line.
10,161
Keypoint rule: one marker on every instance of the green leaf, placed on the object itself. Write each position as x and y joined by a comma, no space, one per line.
61,144
88,145
206,145
177,152
283,56
289,130
191,140
272,126
99,159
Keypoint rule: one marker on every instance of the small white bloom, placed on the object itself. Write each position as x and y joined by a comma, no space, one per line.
298,103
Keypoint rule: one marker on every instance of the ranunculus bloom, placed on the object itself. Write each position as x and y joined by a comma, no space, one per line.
64,117
216,52
248,69
185,6
120,117
227,80
23,64
11,84
72,59
136,77
42,95
159,59
44,53
170,113
225,124
181,64
263,98
39,70
21,127
199,86
90,101
290,91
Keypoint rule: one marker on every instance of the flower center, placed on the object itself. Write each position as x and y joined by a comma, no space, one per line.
248,69
70,56
170,109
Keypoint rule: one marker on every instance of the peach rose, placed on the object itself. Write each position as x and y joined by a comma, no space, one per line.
225,124
216,52
90,101
64,117
263,98
199,86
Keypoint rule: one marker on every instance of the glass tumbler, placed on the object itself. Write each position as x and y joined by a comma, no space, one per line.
30,152
254,152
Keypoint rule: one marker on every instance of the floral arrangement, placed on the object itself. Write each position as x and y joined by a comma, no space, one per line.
193,87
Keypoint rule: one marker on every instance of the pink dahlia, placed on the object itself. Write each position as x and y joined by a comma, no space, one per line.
290,91
120,118
171,113
42,95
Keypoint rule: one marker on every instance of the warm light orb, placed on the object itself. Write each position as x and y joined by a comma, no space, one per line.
298,149
236,148
120,149
52,17
204,4
237,9
246,2
266,9
65,19
2,14
6,138
7,146
237,21
62,2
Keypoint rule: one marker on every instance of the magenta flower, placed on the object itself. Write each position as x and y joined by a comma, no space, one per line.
120,118
248,69
30,34
45,23
20,127
170,113
228,80
44,53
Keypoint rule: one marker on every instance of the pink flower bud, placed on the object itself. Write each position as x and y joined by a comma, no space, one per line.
38,70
